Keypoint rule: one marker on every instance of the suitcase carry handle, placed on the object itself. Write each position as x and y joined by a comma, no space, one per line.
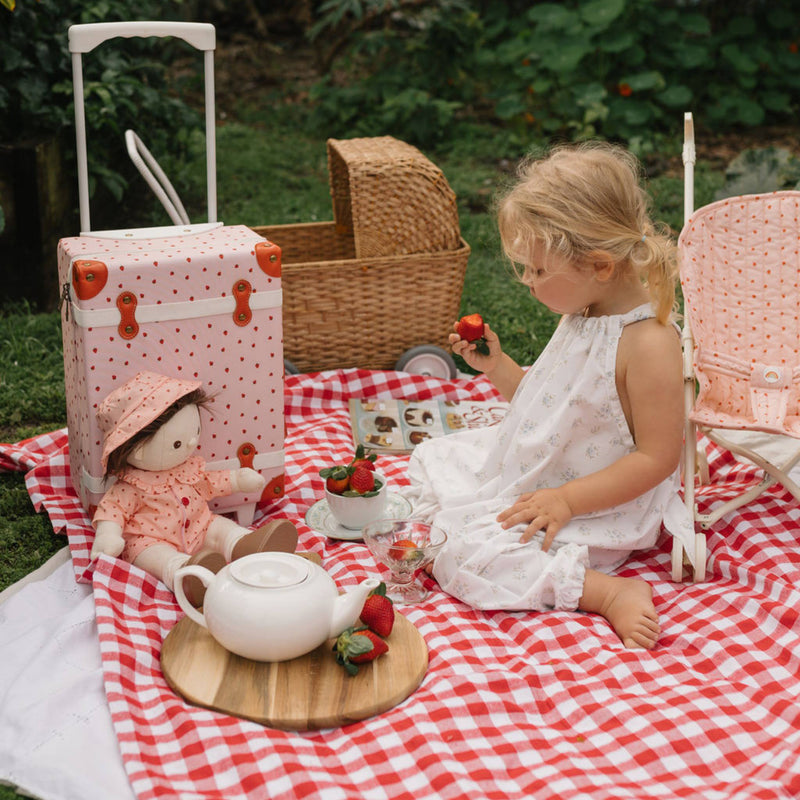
84,38
156,178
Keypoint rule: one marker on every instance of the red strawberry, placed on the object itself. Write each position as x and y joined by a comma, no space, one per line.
362,460
337,479
403,550
379,647
378,612
362,481
471,329
357,646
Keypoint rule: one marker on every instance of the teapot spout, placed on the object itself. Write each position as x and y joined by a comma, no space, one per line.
347,607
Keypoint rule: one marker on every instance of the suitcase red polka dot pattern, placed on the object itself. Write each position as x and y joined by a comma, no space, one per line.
198,305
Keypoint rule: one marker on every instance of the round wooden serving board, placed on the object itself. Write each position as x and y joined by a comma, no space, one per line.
306,693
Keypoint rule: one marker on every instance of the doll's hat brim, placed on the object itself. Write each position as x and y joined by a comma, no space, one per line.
135,404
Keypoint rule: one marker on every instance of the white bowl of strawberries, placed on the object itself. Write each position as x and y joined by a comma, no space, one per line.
355,492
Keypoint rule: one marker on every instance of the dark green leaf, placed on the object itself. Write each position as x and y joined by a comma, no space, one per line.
643,81
601,13
676,96
552,16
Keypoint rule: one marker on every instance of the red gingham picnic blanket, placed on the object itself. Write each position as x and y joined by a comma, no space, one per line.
514,705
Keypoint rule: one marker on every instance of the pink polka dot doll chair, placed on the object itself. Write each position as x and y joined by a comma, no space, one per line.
740,275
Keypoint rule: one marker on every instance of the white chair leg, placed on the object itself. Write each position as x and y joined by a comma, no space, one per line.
699,557
677,560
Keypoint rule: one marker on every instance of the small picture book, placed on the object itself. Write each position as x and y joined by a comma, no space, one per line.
397,426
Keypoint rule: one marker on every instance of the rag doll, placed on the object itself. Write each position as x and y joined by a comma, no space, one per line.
156,515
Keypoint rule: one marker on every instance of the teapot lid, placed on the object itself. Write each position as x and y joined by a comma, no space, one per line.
270,570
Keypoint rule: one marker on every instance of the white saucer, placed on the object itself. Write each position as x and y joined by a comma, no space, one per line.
319,517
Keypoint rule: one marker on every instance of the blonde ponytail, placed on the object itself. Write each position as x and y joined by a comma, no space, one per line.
653,258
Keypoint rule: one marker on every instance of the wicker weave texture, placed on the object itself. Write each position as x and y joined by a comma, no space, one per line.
362,312
386,275
390,198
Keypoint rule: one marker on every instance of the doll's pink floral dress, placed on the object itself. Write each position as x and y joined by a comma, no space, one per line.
163,507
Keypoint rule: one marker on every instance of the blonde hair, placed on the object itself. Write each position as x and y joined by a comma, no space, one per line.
586,199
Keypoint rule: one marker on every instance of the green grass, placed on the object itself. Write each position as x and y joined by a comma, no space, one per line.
271,171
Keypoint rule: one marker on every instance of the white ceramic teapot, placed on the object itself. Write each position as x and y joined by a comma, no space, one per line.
272,606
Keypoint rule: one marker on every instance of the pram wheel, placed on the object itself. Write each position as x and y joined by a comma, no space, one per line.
427,359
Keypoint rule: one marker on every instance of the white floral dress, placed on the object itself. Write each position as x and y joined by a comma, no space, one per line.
565,421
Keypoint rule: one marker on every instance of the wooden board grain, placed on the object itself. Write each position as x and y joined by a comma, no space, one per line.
306,693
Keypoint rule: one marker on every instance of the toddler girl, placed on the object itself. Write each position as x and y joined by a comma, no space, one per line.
582,471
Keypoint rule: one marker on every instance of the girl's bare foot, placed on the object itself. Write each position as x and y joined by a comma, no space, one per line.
627,603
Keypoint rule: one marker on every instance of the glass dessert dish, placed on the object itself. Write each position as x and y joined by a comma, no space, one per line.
404,547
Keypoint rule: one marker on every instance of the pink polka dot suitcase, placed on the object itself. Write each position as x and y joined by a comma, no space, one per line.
204,305
199,301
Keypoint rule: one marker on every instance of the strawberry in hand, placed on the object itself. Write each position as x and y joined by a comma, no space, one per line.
471,329
378,612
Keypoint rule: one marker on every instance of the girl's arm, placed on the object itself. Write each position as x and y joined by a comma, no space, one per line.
498,367
650,383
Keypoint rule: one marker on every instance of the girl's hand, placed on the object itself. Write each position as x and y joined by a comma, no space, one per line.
468,351
545,509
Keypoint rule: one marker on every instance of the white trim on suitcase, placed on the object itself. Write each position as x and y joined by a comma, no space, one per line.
261,461
147,234
166,312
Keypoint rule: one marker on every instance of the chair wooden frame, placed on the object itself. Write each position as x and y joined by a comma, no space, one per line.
694,462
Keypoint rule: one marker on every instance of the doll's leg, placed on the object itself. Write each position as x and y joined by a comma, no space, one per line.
233,541
163,561
627,603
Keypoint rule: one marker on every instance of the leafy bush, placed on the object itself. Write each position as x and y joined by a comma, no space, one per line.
399,67
124,84
615,68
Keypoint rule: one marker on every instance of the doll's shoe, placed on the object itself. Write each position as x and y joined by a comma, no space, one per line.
278,535
194,588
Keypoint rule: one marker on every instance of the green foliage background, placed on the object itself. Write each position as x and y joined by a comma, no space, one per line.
619,69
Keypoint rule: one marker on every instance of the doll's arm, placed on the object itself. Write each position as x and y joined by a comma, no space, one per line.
108,539
649,366
247,480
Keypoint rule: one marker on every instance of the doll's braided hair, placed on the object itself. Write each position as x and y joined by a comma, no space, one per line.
118,458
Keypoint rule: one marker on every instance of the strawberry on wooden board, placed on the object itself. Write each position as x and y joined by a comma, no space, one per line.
378,612
357,646
472,330
379,647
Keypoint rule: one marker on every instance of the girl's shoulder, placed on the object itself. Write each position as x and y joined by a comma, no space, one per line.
649,339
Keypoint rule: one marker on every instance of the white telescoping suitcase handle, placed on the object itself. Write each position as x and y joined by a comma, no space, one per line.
84,38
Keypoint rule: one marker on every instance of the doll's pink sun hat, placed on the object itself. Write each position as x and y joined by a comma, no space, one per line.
135,404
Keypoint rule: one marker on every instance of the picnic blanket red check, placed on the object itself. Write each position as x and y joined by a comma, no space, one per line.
514,705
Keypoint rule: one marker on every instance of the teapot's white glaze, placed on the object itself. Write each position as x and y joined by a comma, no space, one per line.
272,606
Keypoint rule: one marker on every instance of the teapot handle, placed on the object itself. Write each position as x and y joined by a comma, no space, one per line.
203,574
